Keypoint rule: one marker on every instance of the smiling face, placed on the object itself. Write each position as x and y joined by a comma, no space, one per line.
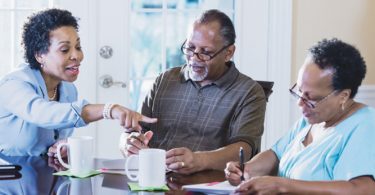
64,56
206,38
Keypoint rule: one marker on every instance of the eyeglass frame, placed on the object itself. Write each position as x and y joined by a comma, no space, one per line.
198,54
310,103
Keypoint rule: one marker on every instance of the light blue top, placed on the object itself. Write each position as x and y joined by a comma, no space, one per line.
346,152
29,122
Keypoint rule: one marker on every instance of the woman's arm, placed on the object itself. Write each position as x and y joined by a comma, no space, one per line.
128,119
264,163
276,185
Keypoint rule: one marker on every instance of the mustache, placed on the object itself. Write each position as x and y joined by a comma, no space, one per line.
196,64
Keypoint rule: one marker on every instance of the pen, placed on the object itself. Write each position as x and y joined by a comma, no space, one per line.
242,163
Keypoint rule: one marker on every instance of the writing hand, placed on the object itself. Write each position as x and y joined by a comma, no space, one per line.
233,173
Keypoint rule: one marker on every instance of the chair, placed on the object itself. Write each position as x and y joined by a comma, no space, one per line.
267,87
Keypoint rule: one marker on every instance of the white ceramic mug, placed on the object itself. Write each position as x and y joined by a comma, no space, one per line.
78,186
151,167
80,154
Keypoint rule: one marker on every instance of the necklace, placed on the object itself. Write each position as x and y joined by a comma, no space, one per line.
54,94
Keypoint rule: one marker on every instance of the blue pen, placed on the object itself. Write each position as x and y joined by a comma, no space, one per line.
242,163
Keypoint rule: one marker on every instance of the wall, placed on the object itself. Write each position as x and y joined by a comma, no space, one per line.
352,21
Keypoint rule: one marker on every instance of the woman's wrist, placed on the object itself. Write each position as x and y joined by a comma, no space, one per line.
107,110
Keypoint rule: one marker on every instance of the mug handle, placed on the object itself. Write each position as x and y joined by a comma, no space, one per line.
130,176
59,155
62,186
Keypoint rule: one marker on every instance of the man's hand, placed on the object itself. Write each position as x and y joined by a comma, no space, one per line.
52,150
131,143
183,160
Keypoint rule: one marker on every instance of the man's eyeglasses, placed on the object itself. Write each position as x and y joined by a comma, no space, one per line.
310,103
201,56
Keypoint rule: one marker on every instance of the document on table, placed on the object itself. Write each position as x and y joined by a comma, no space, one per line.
211,188
116,166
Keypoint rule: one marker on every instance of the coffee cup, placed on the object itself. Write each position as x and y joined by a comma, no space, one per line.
80,154
151,167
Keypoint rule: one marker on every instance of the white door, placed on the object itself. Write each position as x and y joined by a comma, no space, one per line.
104,32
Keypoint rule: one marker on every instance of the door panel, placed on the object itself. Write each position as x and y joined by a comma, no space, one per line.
112,31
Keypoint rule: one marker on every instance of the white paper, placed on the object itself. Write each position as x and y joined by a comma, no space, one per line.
116,166
212,188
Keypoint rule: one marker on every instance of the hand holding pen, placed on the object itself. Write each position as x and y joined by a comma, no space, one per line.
242,166
235,170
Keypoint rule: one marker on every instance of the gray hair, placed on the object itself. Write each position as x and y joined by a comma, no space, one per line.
226,26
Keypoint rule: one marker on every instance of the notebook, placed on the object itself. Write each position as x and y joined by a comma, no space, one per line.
212,188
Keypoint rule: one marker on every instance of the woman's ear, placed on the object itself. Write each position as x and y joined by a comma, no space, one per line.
39,58
345,94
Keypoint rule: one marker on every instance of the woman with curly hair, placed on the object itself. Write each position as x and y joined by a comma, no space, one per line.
38,102
331,149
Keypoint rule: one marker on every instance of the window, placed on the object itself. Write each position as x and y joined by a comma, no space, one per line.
13,14
158,28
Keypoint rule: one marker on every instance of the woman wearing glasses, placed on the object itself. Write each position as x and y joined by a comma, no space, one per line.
331,149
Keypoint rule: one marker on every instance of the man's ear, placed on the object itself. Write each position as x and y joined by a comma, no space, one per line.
229,53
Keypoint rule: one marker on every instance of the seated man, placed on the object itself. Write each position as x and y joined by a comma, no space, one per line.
206,109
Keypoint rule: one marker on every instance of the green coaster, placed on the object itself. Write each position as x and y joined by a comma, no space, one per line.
136,187
68,173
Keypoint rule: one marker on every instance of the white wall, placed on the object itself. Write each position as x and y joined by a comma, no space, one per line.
264,53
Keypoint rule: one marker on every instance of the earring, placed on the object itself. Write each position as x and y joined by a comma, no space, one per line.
343,106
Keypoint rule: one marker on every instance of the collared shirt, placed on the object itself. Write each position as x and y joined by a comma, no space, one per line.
29,122
345,152
229,110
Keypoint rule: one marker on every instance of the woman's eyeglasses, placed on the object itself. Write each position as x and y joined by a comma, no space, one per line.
310,103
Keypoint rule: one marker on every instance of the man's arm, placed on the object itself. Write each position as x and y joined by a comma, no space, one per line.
183,160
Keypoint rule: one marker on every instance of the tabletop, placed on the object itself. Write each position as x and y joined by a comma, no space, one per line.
37,178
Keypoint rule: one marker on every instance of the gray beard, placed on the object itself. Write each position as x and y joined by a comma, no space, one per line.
197,77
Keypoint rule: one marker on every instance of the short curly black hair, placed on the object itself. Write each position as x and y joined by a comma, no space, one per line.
36,32
346,61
